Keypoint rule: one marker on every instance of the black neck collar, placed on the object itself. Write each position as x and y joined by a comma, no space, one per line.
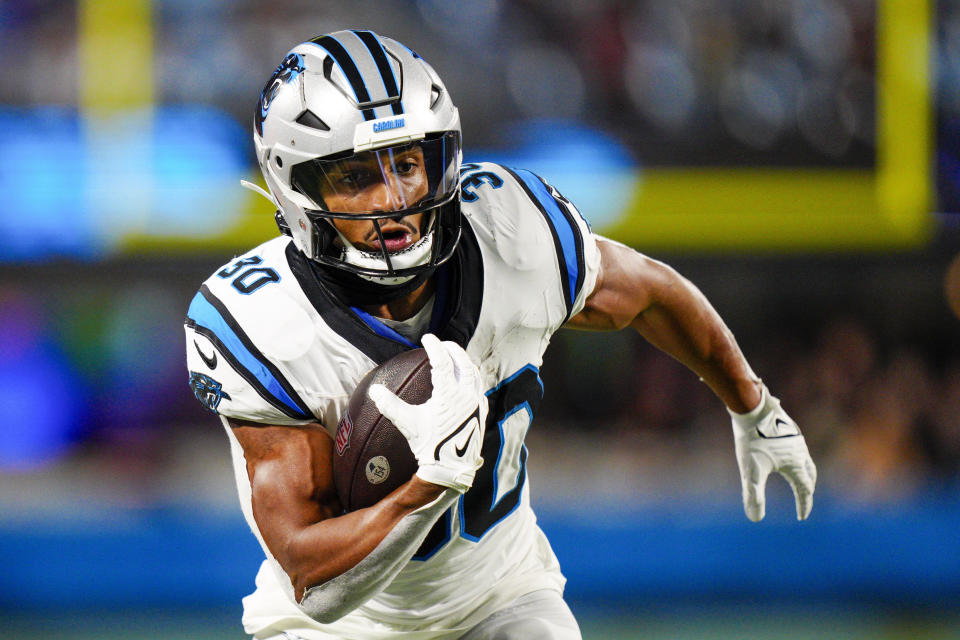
456,310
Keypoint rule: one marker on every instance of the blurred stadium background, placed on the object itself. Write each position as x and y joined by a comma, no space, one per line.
798,159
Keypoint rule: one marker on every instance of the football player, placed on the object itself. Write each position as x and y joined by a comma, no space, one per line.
389,242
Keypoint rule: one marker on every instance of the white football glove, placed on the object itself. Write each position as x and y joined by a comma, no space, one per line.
766,440
445,432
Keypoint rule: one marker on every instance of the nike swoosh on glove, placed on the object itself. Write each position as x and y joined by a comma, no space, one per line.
445,432
767,440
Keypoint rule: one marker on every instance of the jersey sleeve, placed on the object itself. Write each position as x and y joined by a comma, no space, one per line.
229,375
578,258
244,333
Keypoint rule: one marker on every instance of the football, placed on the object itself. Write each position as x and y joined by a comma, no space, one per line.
372,458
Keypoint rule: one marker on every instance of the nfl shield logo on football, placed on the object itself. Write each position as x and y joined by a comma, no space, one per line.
344,429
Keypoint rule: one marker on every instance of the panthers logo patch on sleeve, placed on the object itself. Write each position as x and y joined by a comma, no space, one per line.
208,391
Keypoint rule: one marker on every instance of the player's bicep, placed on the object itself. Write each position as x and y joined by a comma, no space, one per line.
625,288
291,480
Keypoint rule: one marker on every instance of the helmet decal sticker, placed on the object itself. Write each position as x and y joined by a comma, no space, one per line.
290,68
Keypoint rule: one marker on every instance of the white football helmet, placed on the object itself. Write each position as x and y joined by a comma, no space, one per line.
353,99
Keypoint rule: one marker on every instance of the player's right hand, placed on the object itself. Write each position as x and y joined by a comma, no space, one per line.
445,432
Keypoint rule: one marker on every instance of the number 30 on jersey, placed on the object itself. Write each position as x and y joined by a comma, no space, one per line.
498,484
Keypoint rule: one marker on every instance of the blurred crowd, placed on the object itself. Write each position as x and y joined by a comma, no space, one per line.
701,82
706,81
681,81
877,396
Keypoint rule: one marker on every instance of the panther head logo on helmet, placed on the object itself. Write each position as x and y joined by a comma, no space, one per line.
291,66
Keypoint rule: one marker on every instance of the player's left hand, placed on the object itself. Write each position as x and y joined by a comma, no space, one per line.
767,440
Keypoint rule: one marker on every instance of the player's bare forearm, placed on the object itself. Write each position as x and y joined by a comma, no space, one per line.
673,315
297,510
326,549
688,328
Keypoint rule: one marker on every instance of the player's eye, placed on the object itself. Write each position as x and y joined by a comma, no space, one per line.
353,180
408,166
347,180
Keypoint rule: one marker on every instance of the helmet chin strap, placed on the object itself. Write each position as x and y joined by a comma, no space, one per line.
413,256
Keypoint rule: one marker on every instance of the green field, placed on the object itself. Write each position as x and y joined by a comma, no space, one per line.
715,623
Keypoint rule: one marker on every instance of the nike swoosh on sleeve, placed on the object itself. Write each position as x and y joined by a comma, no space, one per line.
210,361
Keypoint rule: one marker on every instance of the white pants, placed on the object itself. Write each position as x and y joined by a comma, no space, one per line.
541,615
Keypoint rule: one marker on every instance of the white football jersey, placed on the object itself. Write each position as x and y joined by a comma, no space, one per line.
266,342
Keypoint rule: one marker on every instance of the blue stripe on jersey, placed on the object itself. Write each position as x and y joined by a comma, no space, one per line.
381,329
204,314
564,229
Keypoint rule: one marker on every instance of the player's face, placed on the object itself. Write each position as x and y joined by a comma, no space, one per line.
380,181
